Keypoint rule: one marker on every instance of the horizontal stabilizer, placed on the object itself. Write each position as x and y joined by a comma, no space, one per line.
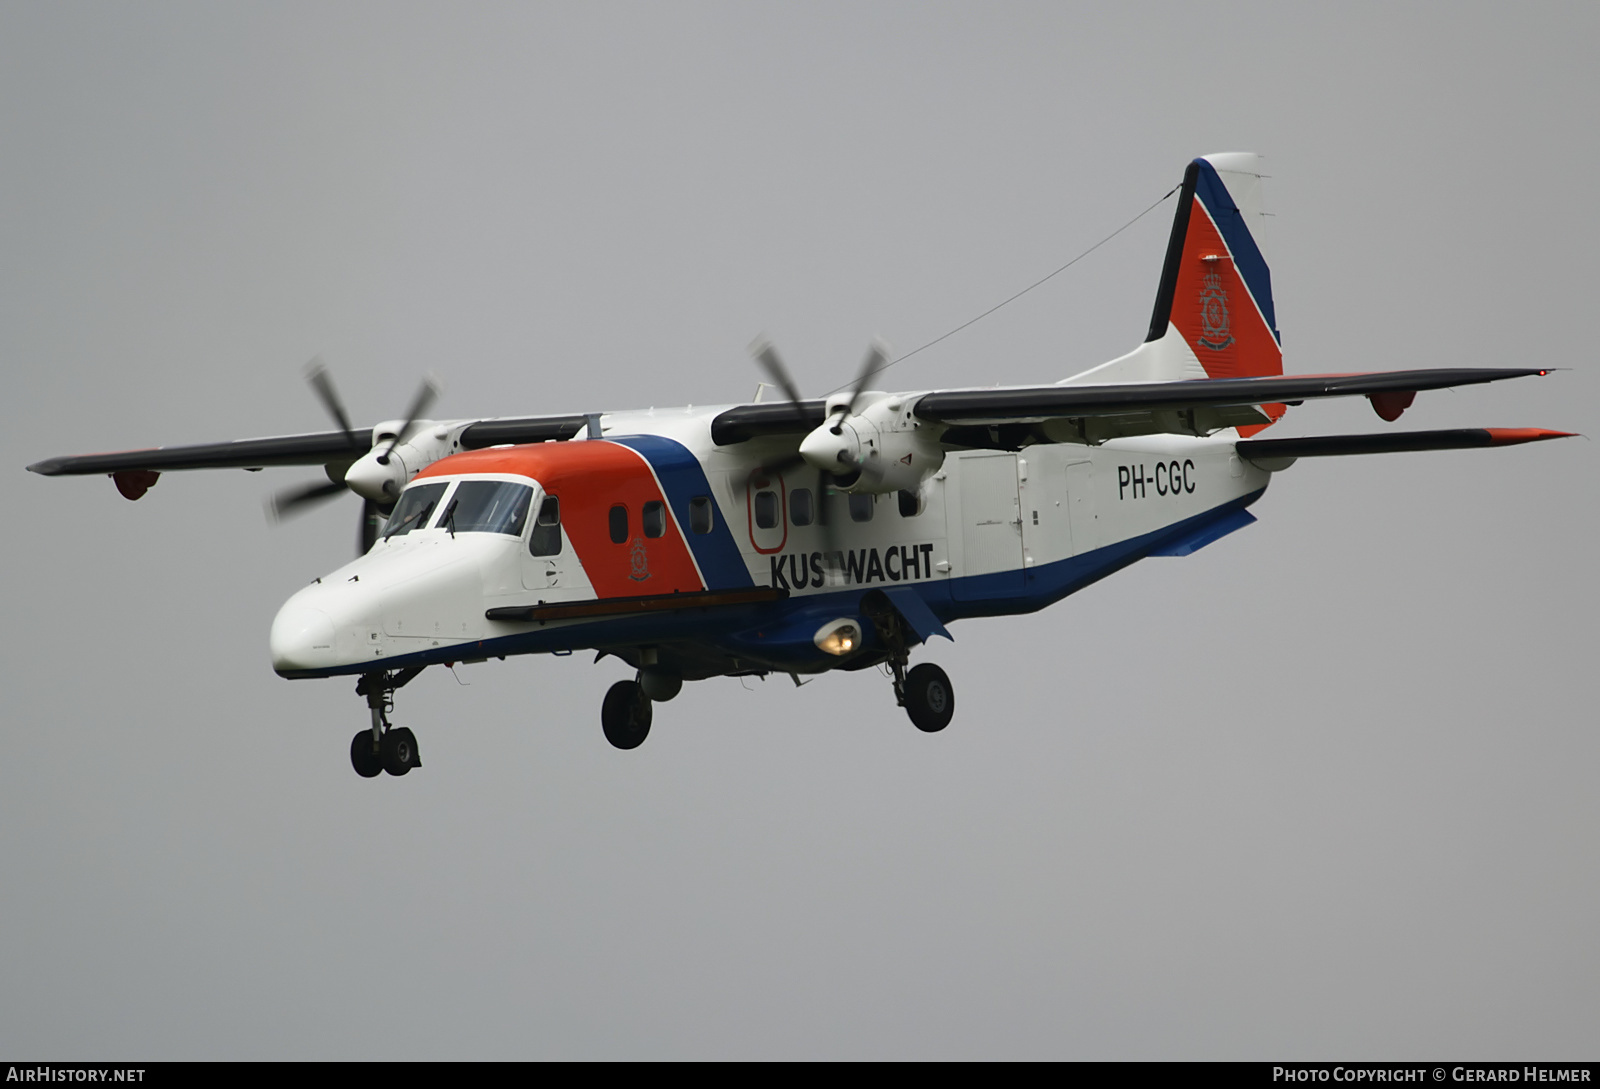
1326,446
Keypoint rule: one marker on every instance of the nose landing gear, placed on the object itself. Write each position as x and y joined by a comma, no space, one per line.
384,747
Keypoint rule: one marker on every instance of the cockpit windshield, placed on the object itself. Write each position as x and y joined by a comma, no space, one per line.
414,509
487,506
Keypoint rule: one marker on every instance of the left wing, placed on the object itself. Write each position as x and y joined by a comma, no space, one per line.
1016,417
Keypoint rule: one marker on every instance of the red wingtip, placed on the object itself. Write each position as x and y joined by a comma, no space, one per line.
1510,436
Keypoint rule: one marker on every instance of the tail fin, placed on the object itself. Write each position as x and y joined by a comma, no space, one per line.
1213,315
1216,289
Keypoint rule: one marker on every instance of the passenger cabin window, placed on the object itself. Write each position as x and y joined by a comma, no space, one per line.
766,509
861,507
654,518
801,510
700,514
414,509
488,506
910,504
619,524
545,540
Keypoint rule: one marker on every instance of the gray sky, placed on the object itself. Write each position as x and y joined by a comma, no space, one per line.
1353,815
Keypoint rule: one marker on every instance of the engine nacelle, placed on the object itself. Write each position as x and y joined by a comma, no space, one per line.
892,449
381,473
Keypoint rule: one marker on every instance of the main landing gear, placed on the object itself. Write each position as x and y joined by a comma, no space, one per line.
924,691
384,748
926,695
625,715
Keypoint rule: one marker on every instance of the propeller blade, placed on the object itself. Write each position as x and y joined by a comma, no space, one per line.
372,519
826,523
780,465
419,404
877,356
322,386
767,356
292,500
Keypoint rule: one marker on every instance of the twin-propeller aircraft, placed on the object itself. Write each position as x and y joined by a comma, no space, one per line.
804,536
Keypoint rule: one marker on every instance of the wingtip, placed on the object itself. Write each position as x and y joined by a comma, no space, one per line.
1511,436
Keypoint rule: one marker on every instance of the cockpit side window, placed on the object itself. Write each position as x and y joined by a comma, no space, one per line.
545,540
414,509
488,506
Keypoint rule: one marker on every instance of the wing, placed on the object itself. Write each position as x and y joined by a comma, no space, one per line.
1010,418
1016,417
318,448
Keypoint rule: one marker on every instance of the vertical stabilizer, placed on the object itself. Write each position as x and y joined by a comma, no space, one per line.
1213,315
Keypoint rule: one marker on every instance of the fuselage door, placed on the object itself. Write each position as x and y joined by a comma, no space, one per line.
545,559
991,529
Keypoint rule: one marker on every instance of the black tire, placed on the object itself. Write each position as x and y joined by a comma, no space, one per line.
400,751
930,701
625,715
368,763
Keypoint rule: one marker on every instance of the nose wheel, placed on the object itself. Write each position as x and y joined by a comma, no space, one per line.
383,748
366,755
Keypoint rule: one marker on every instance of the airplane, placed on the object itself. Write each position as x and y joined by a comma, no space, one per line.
801,536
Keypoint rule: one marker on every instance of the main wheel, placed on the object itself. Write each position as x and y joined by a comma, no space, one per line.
625,715
930,701
363,757
400,751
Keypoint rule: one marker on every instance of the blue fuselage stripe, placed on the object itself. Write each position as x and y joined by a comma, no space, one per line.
682,479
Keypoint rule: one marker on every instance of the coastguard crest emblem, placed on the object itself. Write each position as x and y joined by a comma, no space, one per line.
640,561
1214,314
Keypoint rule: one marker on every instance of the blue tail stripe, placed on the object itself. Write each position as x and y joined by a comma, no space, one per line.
1247,259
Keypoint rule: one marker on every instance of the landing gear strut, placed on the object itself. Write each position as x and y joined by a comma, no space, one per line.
384,747
925,690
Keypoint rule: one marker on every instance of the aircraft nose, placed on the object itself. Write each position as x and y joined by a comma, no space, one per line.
302,637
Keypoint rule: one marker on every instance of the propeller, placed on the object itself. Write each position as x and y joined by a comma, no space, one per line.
291,501
767,358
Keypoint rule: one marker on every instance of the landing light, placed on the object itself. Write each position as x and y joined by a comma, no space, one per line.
838,637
